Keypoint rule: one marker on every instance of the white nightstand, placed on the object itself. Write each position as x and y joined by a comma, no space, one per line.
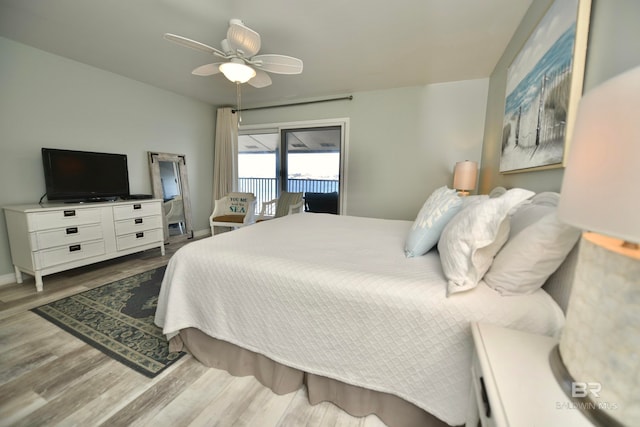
513,384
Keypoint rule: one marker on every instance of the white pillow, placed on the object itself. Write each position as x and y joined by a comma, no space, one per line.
472,200
497,192
532,210
436,212
528,259
473,237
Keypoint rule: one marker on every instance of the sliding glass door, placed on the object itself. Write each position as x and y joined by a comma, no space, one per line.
305,159
258,159
311,165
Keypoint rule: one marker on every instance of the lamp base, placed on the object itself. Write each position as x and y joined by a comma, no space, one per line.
592,410
600,342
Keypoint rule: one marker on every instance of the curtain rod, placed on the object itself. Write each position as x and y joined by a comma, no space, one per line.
344,98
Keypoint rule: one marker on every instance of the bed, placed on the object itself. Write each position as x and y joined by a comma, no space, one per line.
333,303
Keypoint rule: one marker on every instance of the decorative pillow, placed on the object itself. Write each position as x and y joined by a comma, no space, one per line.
497,192
436,212
472,200
473,237
533,210
528,259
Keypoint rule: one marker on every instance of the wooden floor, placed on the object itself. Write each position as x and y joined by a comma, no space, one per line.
48,377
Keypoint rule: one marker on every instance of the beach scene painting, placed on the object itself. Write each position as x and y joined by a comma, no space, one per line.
539,93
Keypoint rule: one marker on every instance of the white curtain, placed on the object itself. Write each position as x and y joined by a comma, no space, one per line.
225,167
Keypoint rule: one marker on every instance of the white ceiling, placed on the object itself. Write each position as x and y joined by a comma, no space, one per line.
299,141
346,45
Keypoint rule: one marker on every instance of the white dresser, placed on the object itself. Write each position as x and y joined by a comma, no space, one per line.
49,238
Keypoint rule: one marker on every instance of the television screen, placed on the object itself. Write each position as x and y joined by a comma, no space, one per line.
82,175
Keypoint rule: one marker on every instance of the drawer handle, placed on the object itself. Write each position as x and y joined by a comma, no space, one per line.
137,221
70,213
485,398
74,248
139,235
137,206
72,230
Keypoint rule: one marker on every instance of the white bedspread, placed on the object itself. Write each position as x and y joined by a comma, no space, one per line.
335,296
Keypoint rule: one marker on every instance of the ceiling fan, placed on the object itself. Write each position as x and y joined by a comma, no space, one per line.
240,49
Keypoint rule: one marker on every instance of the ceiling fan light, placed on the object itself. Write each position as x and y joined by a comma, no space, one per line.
237,73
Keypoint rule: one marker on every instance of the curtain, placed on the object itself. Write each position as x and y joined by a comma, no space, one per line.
225,161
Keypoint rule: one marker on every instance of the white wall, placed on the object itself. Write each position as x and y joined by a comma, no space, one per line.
403,143
50,101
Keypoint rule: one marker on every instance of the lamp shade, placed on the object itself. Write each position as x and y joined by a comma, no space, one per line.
237,72
600,342
600,186
465,175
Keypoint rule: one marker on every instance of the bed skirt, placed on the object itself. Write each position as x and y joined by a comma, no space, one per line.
281,379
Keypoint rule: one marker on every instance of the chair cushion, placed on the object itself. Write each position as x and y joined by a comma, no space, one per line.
321,202
229,218
233,204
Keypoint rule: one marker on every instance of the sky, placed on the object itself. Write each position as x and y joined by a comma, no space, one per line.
308,165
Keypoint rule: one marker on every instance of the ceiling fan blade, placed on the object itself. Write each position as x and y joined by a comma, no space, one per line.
207,70
279,64
261,79
183,41
243,38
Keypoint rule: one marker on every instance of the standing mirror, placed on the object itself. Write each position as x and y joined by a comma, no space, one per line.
169,183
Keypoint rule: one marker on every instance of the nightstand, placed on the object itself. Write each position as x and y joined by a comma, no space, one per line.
513,384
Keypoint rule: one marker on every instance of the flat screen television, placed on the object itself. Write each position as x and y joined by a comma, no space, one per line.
84,176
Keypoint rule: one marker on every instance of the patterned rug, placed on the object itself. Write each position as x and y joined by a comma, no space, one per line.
117,319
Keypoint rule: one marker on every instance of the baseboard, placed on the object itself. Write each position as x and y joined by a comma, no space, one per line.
7,279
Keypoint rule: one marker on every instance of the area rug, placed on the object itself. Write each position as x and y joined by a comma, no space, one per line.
117,319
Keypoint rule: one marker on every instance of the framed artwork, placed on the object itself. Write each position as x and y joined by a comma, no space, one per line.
544,85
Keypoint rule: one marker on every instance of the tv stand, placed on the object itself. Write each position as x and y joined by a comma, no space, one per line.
50,238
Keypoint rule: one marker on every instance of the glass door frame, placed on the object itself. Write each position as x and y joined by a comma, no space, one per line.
343,123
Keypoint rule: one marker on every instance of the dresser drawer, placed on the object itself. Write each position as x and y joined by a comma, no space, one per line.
65,236
69,253
48,238
64,218
136,210
133,225
140,238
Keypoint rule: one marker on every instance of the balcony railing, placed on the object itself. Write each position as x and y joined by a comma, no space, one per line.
265,188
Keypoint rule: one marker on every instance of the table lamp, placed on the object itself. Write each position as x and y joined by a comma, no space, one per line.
598,358
465,175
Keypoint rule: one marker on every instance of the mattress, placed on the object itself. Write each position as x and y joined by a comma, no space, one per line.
335,296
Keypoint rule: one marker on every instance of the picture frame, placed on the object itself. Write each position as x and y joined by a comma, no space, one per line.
544,85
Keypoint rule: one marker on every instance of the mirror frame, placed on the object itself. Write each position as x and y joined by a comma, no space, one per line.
156,184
